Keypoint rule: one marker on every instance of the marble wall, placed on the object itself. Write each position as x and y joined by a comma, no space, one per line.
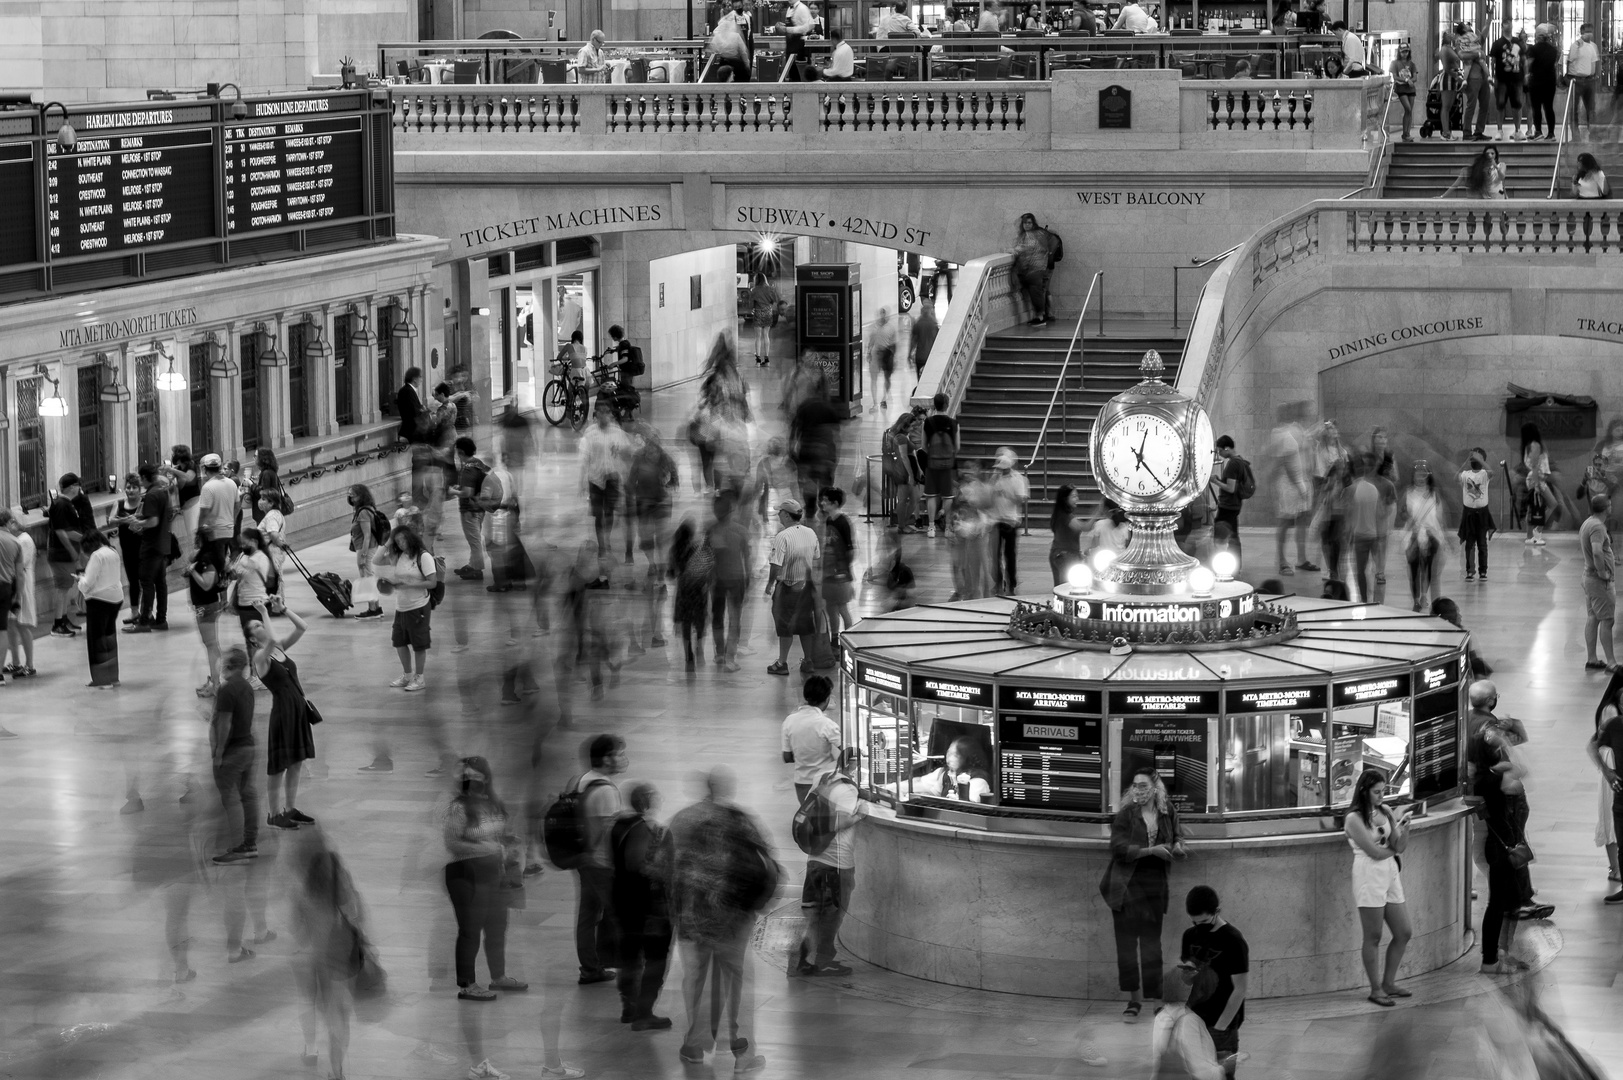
1023,914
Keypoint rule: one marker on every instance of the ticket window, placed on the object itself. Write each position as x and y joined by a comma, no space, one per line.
1176,734
952,717
1370,737
1274,747
877,721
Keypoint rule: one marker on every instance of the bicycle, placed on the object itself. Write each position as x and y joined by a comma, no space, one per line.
565,397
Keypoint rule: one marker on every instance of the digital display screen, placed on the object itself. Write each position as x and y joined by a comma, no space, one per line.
1050,762
18,228
1142,702
294,172
1367,691
1435,752
1275,699
1046,699
118,192
951,691
823,315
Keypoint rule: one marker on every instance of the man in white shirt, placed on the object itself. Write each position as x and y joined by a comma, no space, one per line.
1583,65
1135,18
811,741
596,936
605,450
733,42
842,62
217,507
798,23
831,874
1352,49
590,61
896,21
991,20
793,586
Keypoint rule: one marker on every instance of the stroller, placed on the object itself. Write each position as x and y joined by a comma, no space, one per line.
1434,109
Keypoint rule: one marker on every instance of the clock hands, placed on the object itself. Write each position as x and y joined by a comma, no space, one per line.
1139,454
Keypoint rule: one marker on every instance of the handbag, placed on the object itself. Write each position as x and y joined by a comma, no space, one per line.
312,715
1520,855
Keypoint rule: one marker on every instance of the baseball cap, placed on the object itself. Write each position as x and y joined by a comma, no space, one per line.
211,461
791,507
67,480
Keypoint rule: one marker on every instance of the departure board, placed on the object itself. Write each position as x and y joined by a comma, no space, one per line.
1050,752
19,238
294,172
1436,748
118,192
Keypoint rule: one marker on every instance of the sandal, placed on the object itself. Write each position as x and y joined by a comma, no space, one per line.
1382,1000
1398,992
777,667
1130,1014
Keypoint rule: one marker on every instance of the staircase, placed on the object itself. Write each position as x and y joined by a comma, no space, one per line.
1009,392
1423,169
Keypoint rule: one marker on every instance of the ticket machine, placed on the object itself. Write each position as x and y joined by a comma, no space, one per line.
829,329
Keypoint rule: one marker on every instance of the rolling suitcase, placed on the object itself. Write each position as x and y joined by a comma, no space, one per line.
330,589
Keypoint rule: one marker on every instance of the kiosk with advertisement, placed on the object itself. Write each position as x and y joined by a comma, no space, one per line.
1258,711
829,329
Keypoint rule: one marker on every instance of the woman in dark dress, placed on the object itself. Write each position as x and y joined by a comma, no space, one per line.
691,564
291,741
1144,839
268,478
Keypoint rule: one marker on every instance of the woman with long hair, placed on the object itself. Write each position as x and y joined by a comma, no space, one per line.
1405,74
188,489
328,923
1424,535
1608,736
477,835
291,740
254,575
1590,182
104,595
763,308
1540,507
1377,838
206,581
268,478
1483,178
1144,839
362,530
963,775
409,573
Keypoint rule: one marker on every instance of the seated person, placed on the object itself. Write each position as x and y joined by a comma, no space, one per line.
841,61
963,777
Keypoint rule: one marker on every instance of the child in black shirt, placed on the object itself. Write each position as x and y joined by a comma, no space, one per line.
1215,959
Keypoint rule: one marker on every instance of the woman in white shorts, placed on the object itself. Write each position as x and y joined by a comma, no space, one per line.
1378,839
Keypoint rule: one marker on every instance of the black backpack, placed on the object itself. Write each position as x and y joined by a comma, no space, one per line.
1247,486
816,821
632,365
1058,254
379,527
563,827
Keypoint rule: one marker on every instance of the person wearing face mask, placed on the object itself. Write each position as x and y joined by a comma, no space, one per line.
1475,520
1216,960
1144,839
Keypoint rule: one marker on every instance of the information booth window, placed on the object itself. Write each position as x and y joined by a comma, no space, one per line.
1369,728
952,715
1175,733
1274,747
1436,728
879,713
1050,748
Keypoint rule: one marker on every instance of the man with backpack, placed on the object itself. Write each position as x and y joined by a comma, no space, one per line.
811,741
830,865
470,478
940,458
598,804
1233,482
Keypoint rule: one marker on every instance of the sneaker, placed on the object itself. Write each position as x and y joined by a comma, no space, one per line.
1310,566
930,532
160,625
651,1023
281,821
293,813
564,1069
378,765
690,1055
240,853
1536,912
486,1071
138,628
58,630
1615,898
1482,576
475,992
400,683
1470,577
508,983
370,613
242,954
777,667
417,683
587,978
469,573
1090,1055
746,1059
833,967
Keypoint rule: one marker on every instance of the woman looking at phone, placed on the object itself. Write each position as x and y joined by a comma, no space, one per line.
1378,838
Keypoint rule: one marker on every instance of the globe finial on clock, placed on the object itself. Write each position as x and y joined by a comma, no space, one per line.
1151,367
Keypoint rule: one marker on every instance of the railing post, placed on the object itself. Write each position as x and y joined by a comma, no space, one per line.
1101,305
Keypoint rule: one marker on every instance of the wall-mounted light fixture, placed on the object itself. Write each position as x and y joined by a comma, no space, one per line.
405,328
362,338
221,366
315,345
239,108
53,405
65,135
171,379
115,392
270,349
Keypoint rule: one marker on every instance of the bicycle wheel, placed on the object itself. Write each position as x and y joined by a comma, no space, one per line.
555,402
580,407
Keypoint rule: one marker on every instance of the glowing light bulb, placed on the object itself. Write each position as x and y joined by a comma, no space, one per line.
1201,581
1102,560
1080,577
1224,564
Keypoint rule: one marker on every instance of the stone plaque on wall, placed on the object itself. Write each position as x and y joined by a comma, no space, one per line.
1115,108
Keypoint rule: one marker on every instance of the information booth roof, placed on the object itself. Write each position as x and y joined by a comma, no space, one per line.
1336,639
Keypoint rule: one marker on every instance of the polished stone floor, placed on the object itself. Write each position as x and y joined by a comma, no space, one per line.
84,890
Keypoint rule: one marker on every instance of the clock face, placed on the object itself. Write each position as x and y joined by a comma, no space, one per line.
1141,456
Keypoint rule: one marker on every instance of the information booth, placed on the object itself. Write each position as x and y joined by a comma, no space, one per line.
1258,745
829,327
